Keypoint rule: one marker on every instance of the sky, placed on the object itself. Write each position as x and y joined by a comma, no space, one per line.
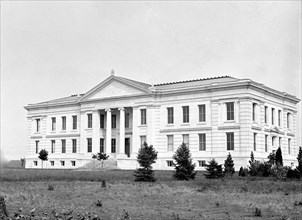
55,49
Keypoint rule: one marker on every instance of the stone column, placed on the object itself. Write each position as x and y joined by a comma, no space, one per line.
135,134
95,131
108,131
122,131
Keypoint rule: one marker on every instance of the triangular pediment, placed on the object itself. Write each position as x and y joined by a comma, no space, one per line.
114,87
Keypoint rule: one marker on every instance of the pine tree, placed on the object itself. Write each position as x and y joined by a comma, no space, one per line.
43,155
279,160
299,158
146,157
252,158
214,170
229,165
184,168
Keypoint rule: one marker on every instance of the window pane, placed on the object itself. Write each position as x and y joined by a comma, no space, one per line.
113,146
89,145
230,110
63,146
102,145
273,113
186,139
170,115
38,125
74,145
202,113
53,143
230,141
265,114
202,142
143,116
143,140
113,121
63,123
170,142
186,116
53,124
102,121
266,139
255,141
37,147
89,120
74,122
127,121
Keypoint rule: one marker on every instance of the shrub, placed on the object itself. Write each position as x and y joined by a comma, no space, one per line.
280,171
293,174
299,158
243,172
183,166
272,158
258,168
214,170
229,165
279,159
146,157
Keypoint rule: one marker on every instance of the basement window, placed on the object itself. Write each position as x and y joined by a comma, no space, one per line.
35,163
170,163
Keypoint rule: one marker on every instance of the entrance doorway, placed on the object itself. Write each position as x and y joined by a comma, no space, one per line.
127,146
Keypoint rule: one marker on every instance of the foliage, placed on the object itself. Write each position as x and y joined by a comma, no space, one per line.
22,160
258,168
279,171
243,172
229,165
101,157
43,155
272,158
252,157
146,157
279,159
183,166
299,158
213,170
293,174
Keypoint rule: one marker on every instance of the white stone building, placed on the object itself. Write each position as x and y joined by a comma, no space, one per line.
213,116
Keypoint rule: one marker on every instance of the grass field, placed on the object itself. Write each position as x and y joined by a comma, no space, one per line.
227,198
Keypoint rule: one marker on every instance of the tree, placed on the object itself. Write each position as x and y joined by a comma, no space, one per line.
229,165
22,160
279,160
101,157
43,155
252,158
214,170
183,166
146,157
299,158
272,158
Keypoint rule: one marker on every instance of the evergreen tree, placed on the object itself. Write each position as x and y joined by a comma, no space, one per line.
101,157
214,170
299,158
43,155
184,168
272,158
252,158
279,160
229,165
146,157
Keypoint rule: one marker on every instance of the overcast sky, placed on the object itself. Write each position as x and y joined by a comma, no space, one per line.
55,49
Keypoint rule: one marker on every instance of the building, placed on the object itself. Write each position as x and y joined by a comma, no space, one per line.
213,116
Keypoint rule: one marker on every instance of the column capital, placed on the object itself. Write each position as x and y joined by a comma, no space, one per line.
121,109
107,110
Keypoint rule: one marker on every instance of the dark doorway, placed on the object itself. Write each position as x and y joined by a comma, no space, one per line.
127,146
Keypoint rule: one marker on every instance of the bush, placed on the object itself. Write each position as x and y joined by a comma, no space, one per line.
229,165
146,157
214,170
183,166
280,171
243,172
293,174
258,168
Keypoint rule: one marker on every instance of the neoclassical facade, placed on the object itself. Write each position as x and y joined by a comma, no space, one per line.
213,116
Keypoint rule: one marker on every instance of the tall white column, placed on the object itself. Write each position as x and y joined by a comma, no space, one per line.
135,135
122,131
95,132
108,131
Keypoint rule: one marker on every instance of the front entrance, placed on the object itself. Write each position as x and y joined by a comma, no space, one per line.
127,146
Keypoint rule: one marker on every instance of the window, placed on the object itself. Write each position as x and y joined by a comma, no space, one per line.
63,123
273,112
185,139
74,145
288,146
53,145
74,122
63,146
230,141
113,121
113,145
201,163
73,163
279,117
280,142
127,120
266,140
143,140
288,120
62,163
89,145
230,110
35,163
52,163
185,113
170,163
273,141
89,116
255,141
143,116
254,111
102,121
265,114
102,145
170,112
38,122
170,142
53,124
202,142
37,147
202,113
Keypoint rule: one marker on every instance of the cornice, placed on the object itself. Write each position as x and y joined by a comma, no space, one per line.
185,129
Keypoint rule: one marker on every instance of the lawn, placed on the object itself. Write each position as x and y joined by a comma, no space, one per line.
81,191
